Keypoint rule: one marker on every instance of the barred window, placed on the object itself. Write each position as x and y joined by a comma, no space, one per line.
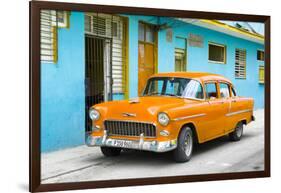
111,27
240,63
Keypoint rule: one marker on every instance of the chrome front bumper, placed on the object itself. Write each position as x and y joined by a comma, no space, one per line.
140,144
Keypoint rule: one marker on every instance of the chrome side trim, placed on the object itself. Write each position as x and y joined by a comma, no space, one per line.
188,117
238,112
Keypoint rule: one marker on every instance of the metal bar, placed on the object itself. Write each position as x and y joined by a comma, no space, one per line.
115,126
135,129
121,130
115,130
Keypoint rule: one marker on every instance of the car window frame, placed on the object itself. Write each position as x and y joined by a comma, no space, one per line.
232,87
229,89
217,89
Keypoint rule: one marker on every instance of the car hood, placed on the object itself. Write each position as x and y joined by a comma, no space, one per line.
142,108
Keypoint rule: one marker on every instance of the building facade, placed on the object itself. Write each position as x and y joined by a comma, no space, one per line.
88,58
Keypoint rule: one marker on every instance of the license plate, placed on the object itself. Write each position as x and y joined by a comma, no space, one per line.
124,144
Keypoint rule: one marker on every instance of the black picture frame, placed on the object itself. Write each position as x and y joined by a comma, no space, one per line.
34,99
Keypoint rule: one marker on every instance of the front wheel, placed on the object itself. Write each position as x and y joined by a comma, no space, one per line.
237,133
110,151
183,152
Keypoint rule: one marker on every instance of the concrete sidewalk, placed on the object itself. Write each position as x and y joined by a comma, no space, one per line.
88,164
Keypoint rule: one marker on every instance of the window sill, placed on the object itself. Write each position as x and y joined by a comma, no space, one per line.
216,62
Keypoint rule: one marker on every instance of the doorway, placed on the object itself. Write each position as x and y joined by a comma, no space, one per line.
98,73
105,59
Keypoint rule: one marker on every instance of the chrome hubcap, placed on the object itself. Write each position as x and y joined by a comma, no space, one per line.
188,143
239,131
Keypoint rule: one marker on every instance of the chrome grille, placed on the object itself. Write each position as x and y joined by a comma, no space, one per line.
128,128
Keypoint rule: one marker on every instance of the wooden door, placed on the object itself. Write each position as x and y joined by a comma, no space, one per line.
145,64
146,54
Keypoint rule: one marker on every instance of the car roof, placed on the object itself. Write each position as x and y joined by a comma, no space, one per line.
201,76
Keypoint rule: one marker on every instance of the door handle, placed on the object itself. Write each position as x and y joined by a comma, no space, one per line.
234,101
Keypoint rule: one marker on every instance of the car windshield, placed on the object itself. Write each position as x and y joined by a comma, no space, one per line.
176,87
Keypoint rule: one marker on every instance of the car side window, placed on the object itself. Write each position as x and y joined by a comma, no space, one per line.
224,90
211,90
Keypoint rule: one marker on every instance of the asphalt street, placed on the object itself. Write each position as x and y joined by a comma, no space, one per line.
218,156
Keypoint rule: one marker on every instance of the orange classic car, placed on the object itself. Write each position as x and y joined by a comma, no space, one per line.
176,111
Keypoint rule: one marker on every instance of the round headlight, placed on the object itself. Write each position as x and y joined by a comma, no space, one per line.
94,114
163,119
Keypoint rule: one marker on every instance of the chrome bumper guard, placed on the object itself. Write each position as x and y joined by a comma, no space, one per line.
140,144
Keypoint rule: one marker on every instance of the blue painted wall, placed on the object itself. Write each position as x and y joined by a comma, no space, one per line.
62,90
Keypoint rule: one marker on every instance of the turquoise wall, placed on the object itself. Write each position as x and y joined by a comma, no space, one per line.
62,84
62,90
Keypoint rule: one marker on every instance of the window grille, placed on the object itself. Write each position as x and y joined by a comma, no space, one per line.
48,36
111,27
240,63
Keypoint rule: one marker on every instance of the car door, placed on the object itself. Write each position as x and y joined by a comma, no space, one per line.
225,97
215,111
236,107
